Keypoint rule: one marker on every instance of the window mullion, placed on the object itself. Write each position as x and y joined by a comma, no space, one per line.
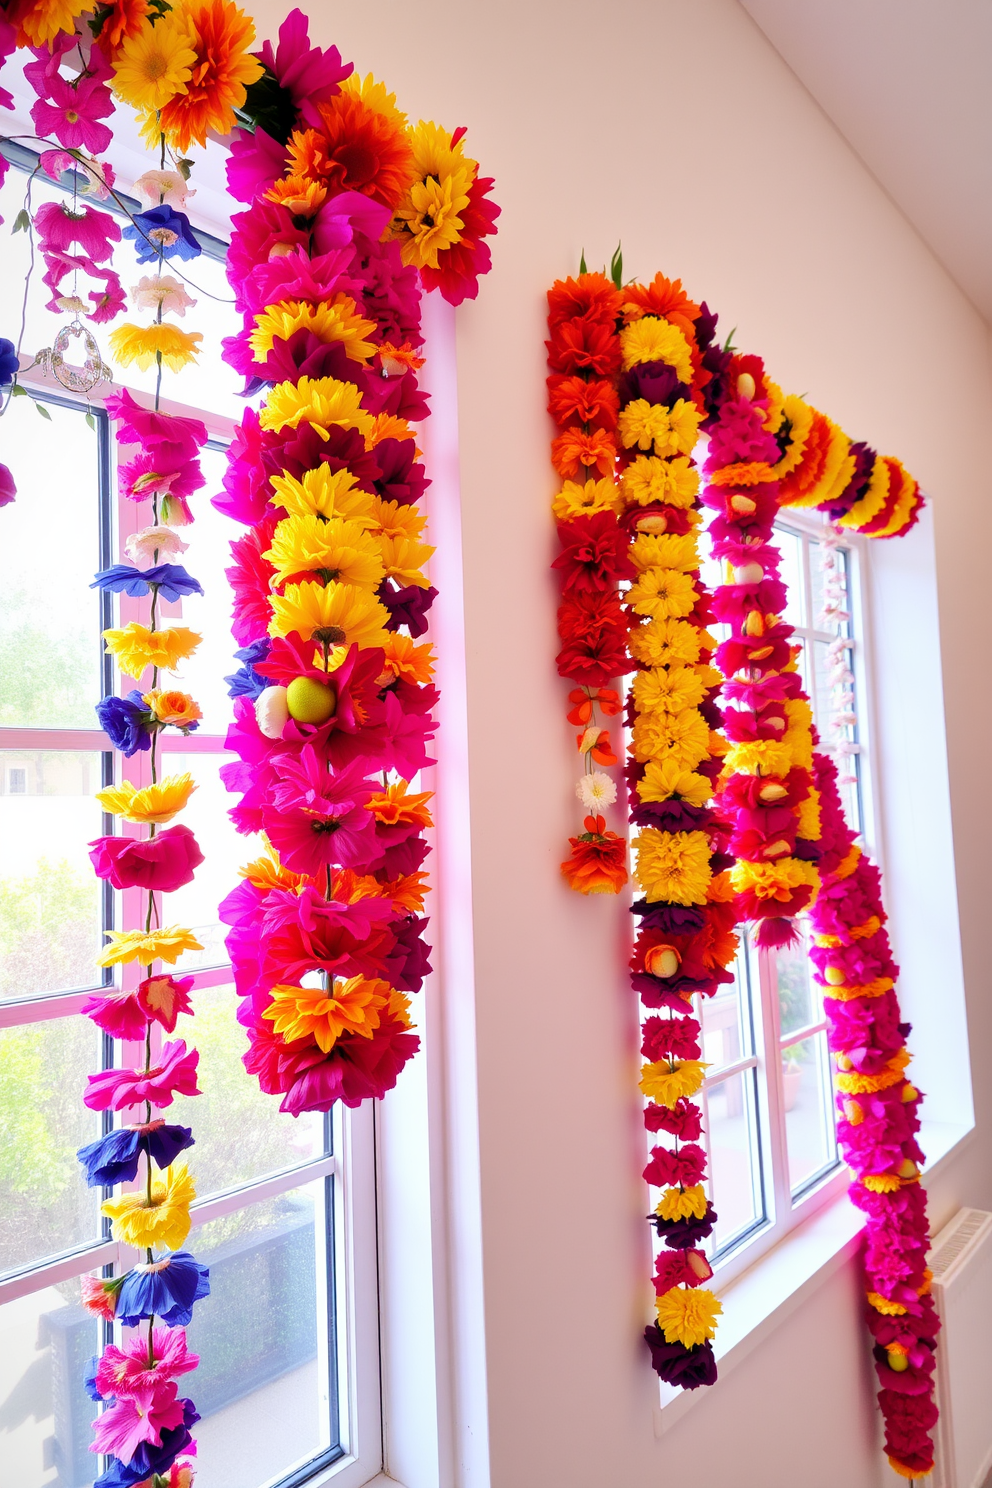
774,1087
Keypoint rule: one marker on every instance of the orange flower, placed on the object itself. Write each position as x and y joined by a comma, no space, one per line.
572,399
367,146
220,35
404,659
121,19
388,426
298,195
395,360
308,157
407,892
596,742
598,864
573,451
585,697
664,297
173,707
589,294
394,807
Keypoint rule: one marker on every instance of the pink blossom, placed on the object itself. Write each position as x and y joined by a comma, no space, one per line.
112,1090
59,227
309,75
127,1373
8,490
69,111
164,188
154,545
254,161
108,301
175,439
143,1417
156,473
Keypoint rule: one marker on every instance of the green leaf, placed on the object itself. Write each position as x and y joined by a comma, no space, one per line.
582,263
17,391
91,421
184,167
43,411
616,268
728,345
22,221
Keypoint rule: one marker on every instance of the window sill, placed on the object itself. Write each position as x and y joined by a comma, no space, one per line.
756,1302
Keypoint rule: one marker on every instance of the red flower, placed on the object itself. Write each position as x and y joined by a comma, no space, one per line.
572,400
164,862
460,268
584,343
684,1168
589,294
585,698
598,864
594,553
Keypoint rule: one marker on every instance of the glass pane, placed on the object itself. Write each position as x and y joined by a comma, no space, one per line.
808,1109
240,1133
264,1383
45,1206
46,1341
224,853
50,914
798,995
49,630
735,1176
791,547
726,1023
820,696
816,578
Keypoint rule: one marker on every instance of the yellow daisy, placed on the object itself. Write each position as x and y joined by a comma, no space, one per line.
662,642
647,480
575,500
662,592
147,946
335,615
321,401
336,549
663,779
402,558
673,866
323,492
165,1221
143,344
157,803
664,550
688,1315
136,647
331,320
156,64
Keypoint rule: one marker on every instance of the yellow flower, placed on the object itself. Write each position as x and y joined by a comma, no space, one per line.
402,558
666,1085
298,194
164,1222
155,64
157,803
654,340
143,344
147,946
323,1015
136,647
664,550
673,866
663,593
41,23
688,1315
394,520
427,219
683,739
885,1305
682,1203
375,96
268,873
664,642
331,320
326,493
337,549
398,1009
221,35
808,817
777,881
800,416
671,690
647,480
668,431
321,401
404,659
575,500
337,616
663,779
763,757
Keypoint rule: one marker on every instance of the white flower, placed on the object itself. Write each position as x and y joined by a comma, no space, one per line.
163,187
142,546
100,176
596,791
272,711
152,291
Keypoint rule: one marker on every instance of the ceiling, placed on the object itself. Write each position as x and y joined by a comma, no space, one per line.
909,85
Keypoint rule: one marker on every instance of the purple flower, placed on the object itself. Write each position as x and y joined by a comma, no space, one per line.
407,606
8,361
8,489
115,1157
678,1365
171,580
246,682
149,1459
165,1289
682,1234
126,722
162,232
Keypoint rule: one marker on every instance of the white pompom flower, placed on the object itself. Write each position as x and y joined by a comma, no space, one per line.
596,791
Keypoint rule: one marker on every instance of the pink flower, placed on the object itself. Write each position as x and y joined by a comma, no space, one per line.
70,110
310,76
315,819
154,545
59,228
174,439
164,188
156,473
108,301
99,1295
126,1015
112,1090
254,161
164,862
122,1429
8,490
127,1373
164,997
295,276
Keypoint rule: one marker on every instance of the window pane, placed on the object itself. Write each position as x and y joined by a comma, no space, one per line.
732,1138
50,629
798,994
264,1386
45,1206
46,1340
50,901
808,1109
791,547
240,1133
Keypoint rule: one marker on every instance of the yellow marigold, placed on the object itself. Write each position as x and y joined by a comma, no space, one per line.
136,647
336,549
323,492
321,401
155,64
880,1182
668,431
654,340
396,806
575,500
847,992
662,593
800,417
164,1222
762,757
427,220
667,1086
298,194
147,946
664,642
871,503
323,1014
885,1306
683,739
647,480
775,880
143,345
336,616
403,557
808,817
853,1083
392,519
682,1203
330,321
157,803
664,779
856,932
405,659
673,866
664,550
688,1315
221,36
668,690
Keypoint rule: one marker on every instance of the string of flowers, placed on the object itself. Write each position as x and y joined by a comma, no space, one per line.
584,357
349,213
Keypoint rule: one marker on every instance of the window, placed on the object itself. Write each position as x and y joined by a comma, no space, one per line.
285,1211
769,1124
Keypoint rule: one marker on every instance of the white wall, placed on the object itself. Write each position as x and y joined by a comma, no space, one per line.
677,128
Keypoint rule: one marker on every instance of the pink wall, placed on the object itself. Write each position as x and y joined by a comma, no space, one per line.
677,128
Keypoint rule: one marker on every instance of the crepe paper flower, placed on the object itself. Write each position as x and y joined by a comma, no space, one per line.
166,1289
175,708
311,1012
222,69
146,946
143,345
598,864
666,780
126,1015
408,606
150,1462
666,1082
165,293
144,1363
168,188
324,493
116,1157
689,1203
154,64
397,806
323,402
339,550
461,266
157,803
126,722
99,1295
685,1368
308,75
175,439
318,819
9,362
404,659
163,1220
688,1315
663,593
163,863
335,615
136,647
171,580
70,111
653,340
59,227
162,233
596,791
152,544
332,321
673,867
8,487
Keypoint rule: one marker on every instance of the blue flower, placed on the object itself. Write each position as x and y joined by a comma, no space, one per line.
148,1458
8,361
171,578
126,721
89,1381
115,1157
162,233
166,1290
246,682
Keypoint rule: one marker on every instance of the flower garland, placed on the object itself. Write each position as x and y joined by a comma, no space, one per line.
349,212
584,357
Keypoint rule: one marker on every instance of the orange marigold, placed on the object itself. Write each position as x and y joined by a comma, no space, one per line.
367,146
664,297
589,294
598,864
573,452
221,35
121,19
573,400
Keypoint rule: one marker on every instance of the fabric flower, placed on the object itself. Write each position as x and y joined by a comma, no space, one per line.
175,1074
126,722
598,863
143,1363
222,68
164,1220
311,1012
125,1015
166,1289
70,111
170,579
115,1158
162,233
163,863
146,946
164,293
688,1315
157,803
154,544
136,647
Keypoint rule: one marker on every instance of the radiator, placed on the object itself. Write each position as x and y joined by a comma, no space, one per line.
961,1262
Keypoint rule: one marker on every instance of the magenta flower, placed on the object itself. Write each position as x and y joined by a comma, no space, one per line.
112,1090
253,163
122,1429
126,1015
174,439
127,1373
8,489
295,276
59,228
70,111
108,301
310,76
315,819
